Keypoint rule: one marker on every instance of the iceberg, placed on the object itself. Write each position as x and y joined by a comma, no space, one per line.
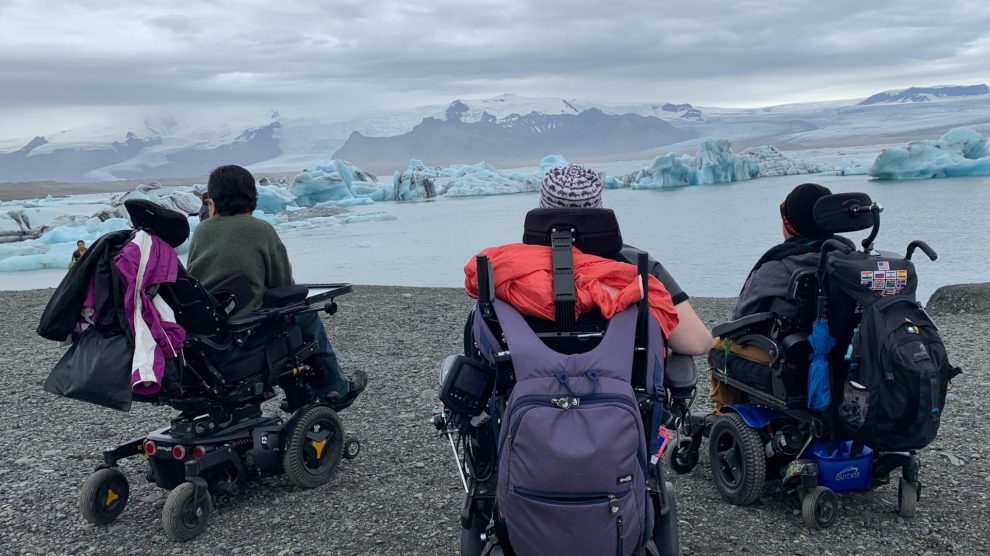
551,161
336,181
420,181
959,152
772,162
714,163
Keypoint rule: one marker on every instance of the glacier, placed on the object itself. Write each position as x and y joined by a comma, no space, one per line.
959,152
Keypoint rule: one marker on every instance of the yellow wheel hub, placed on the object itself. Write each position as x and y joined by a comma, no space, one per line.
111,496
319,447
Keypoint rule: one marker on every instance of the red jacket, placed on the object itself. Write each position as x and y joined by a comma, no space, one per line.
524,279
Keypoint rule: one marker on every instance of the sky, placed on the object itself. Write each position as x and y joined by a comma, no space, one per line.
103,62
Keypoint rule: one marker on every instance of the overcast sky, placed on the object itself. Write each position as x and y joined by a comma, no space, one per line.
67,63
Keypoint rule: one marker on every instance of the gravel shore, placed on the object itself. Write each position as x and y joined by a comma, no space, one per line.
402,495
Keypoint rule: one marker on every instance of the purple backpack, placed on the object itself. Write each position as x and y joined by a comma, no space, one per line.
572,449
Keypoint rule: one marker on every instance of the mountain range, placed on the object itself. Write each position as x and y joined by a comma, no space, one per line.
505,129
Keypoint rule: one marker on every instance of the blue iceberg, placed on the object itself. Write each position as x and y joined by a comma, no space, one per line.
714,163
960,152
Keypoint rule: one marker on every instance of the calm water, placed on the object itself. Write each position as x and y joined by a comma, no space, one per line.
707,236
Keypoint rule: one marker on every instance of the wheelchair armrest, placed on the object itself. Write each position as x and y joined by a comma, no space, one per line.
740,327
284,296
680,372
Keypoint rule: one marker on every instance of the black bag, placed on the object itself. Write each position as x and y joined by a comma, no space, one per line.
894,393
96,369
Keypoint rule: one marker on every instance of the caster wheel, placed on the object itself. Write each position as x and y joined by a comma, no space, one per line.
907,498
314,447
737,460
820,508
351,448
103,496
182,519
683,458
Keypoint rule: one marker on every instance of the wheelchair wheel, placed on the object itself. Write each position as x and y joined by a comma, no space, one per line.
907,498
182,519
314,447
471,543
738,465
103,496
666,531
820,508
682,458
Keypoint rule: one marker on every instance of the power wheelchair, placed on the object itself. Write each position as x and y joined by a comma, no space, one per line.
474,390
227,368
766,431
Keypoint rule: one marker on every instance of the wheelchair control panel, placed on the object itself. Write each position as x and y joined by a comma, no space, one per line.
466,385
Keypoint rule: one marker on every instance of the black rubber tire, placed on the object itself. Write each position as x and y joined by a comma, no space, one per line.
471,543
666,529
108,483
181,519
738,465
304,464
820,508
907,498
682,458
352,447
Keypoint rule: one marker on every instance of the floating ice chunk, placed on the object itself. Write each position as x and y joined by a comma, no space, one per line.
274,198
551,161
459,180
772,162
714,163
333,181
966,141
960,152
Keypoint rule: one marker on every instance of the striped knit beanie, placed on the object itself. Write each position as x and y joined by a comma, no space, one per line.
571,186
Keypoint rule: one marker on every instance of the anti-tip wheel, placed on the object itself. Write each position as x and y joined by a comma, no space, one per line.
907,498
182,518
352,447
103,496
820,508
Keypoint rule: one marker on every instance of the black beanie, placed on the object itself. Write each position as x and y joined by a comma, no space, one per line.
797,209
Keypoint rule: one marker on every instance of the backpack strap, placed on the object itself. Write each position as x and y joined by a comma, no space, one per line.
532,358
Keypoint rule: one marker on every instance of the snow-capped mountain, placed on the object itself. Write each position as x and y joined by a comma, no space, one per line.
926,94
162,147
513,138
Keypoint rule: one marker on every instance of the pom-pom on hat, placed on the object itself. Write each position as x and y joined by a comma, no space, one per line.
571,186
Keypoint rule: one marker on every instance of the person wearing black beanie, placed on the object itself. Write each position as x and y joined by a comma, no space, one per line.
802,244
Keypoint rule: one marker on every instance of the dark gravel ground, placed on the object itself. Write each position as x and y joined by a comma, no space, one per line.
402,494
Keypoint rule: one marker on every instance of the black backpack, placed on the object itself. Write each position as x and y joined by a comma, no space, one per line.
899,373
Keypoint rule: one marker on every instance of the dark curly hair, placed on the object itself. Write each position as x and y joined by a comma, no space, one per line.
232,190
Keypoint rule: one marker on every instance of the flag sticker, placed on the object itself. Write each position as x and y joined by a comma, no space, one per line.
883,265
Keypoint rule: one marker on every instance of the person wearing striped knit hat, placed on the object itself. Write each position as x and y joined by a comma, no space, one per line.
575,187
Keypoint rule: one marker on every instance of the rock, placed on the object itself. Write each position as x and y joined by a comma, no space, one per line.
960,298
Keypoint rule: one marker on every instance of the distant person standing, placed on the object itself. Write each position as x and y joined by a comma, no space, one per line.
80,249
204,210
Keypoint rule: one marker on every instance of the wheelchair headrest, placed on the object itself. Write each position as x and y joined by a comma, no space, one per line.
596,231
171,226
843,212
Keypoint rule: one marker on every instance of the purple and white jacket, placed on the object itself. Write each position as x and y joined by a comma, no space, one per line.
144,262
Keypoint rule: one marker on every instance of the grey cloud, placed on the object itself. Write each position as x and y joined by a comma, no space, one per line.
367,53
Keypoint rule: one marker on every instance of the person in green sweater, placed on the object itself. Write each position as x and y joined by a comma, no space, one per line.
232,241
